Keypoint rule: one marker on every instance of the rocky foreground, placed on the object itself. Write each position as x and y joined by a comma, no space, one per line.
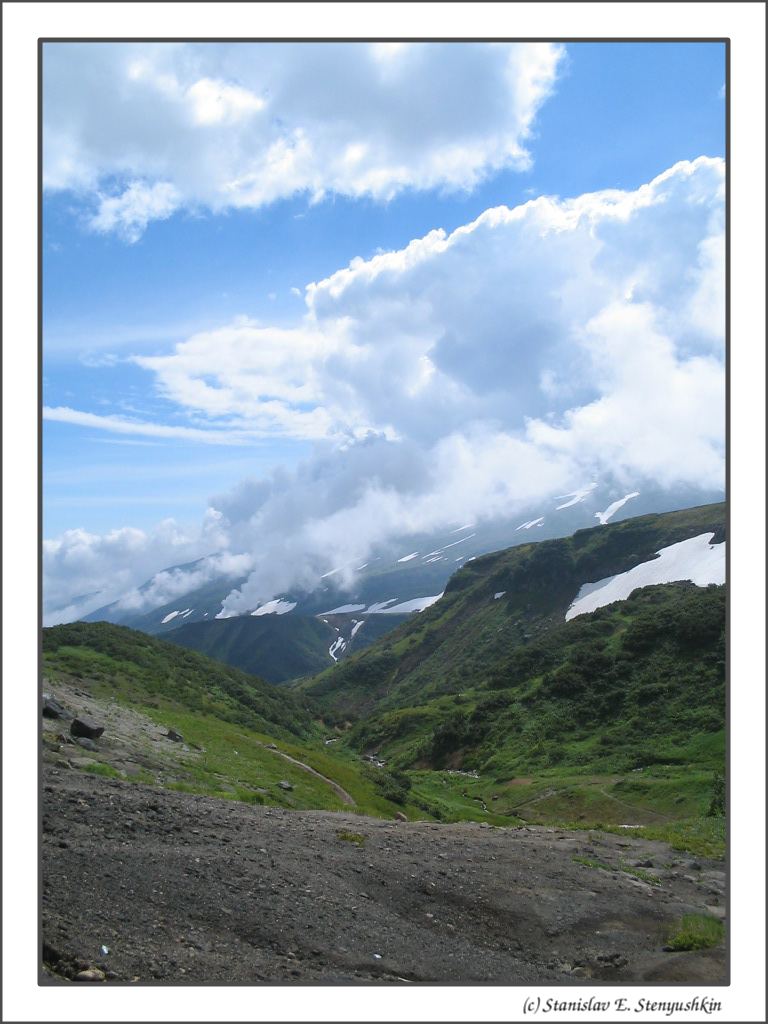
142,885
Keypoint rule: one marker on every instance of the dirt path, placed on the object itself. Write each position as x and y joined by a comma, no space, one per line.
342,794
195,890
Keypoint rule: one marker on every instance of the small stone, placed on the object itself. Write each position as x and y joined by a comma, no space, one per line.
86,744
399,816
284,784
175,736
90,974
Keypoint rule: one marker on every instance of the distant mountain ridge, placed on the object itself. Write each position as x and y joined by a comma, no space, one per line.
420,569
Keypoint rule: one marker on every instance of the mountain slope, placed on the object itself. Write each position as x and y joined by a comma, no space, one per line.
281,648
242,738
136,668
275,647
491,698
494,604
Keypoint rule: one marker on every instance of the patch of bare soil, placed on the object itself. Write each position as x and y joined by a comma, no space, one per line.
185,889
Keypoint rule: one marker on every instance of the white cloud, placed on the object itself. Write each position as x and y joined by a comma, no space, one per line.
129,212
472,375
530,319
240,125
123,425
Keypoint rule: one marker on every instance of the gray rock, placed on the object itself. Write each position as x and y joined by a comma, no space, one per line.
52,709
284,784
175,736
86,744
399,816
86,727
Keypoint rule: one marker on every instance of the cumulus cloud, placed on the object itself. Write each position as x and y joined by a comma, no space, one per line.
223,126
473,374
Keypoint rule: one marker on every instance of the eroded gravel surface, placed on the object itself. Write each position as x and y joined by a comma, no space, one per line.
186,889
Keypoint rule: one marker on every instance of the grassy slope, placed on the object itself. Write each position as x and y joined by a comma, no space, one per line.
230,715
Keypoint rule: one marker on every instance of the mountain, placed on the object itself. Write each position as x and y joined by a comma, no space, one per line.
279,647
417,566
510,675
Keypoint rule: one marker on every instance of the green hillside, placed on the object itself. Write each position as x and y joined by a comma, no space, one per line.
275,647
498,703
460,641
239,731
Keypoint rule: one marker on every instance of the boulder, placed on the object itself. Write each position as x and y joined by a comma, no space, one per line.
86,727
52,709
175,736
284,784
399,816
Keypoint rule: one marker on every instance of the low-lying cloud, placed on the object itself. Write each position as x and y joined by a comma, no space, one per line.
471,375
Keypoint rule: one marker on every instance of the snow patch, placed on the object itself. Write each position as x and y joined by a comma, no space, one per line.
168,617
614,507
499,594
355,628
459,541
407,558
338,645
343,609
186,612
379,607
469,526
532,522
276,607
696,560
418,604
575,496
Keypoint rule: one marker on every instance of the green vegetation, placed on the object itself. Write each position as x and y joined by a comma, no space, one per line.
275,647
644,876
637,686
351,837
696,931
106,770
143,670
589,863
703,837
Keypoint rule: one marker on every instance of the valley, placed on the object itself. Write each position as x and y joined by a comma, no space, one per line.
600,733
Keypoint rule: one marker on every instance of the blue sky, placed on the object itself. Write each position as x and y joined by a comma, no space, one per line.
122,283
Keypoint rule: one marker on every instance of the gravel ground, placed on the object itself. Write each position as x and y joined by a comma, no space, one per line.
193,890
